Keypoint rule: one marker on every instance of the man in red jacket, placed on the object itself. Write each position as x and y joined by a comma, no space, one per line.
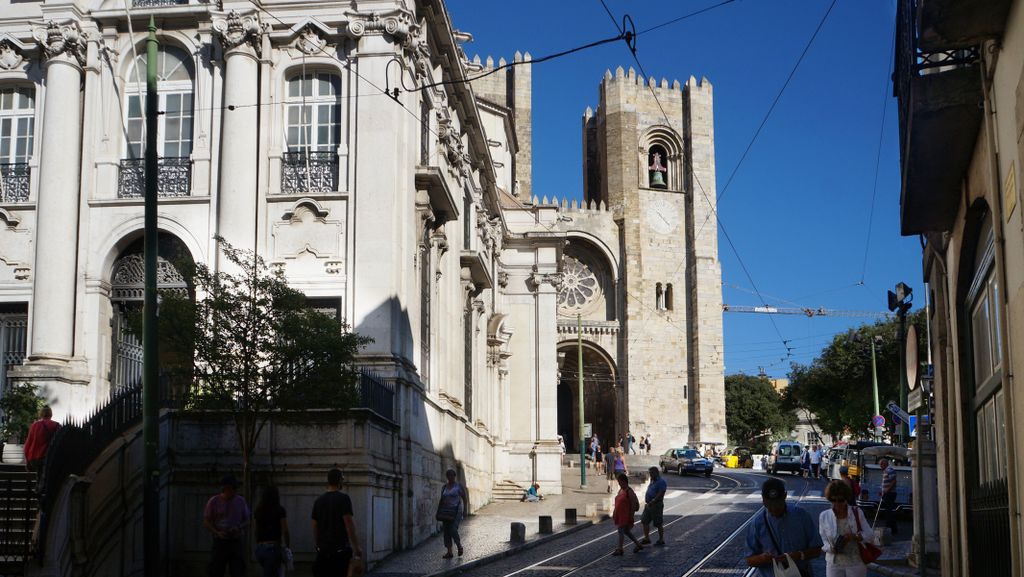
38,441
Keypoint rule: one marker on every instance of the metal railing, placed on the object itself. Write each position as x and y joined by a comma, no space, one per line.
988,529
376,394
14,182
174,177
309,172
148,3
17,518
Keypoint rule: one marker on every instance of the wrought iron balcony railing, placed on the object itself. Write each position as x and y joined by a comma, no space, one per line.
309,172
14,181
148,3
174,177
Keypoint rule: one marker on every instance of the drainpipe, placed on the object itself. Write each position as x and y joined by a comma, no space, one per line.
988,62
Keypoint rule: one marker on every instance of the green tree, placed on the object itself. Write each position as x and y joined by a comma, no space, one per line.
836,385
754,411
257,349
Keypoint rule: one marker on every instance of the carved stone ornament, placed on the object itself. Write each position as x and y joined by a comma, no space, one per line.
455,151
536,279
502,279
310,42
56,39
236,30
10,58
398,24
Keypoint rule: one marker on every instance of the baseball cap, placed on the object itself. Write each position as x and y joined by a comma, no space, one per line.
773,490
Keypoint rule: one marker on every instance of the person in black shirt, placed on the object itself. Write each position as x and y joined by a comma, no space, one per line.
271,531
334,530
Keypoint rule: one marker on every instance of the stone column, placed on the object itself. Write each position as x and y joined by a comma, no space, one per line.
239,36
55,266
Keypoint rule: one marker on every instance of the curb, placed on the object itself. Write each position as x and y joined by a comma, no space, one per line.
510,551
894,570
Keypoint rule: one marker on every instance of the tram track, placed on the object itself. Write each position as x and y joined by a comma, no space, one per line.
546,566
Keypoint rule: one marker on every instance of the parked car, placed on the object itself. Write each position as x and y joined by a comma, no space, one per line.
785,456
684,461
738,457
871,476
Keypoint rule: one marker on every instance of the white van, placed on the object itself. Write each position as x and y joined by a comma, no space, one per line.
785,456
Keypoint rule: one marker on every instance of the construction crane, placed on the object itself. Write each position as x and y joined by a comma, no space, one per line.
806,311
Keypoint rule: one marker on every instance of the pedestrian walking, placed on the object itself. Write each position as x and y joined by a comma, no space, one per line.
815,461
40,433
272,538
844,530
226,517
334,530
561,444
844,475
805,463
654,507
609,467
450,509
626,506
630,444
888,503
598,460
782,532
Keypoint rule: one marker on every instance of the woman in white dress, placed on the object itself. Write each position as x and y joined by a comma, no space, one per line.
843,528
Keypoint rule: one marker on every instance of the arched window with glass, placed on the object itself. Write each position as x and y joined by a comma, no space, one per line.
313,131
174,125
17,129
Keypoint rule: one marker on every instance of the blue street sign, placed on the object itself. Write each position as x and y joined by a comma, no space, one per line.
896,419
878,421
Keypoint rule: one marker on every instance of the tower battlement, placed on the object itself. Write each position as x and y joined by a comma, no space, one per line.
511,88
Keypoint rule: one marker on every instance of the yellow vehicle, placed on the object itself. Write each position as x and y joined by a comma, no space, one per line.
738,458
847,454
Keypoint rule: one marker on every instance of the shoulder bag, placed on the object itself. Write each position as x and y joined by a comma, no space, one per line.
869,552
445,514
782,568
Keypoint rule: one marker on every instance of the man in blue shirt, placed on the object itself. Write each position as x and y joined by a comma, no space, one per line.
888,503
654,508
781,530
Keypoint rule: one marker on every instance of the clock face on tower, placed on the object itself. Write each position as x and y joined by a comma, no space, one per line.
662,217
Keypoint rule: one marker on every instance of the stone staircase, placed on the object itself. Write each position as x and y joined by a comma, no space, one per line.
18,505
507,491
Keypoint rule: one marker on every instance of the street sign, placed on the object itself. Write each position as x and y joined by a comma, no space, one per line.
898,412
897,420
914,399
878,421
912,358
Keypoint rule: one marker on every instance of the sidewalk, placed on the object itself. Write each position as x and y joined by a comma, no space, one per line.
485,534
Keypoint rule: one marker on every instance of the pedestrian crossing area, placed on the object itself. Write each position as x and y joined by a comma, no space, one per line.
747,494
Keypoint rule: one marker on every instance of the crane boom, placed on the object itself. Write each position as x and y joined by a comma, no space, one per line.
806,311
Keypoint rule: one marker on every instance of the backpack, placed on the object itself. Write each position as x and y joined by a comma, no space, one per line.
634,500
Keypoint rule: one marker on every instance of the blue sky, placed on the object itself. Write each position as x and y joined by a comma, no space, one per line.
798,209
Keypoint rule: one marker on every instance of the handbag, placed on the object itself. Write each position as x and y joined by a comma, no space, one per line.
445,514
869,552
356,567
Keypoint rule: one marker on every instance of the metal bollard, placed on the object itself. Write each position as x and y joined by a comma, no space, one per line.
546,526
518,533
570,516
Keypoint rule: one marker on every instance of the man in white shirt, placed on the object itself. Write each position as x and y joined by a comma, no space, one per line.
816,461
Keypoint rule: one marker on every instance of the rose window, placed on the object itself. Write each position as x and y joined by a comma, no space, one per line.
579,284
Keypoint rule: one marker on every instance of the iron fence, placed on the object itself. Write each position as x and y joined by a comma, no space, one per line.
988,529
174,177
17,519
376,394
14,182
309,172
148,3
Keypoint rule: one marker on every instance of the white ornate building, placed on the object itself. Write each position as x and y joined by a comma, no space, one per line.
411,215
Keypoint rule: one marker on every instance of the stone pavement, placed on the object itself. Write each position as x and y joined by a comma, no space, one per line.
485,534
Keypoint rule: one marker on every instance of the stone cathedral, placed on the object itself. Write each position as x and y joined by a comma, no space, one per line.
413,217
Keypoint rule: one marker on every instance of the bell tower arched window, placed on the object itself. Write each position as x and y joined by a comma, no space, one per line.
668,297
313,113
657,167
659,297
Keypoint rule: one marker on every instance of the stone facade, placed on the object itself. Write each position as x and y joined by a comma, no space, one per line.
411,216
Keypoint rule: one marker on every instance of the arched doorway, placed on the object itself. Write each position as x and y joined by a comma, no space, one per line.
600,394
127,293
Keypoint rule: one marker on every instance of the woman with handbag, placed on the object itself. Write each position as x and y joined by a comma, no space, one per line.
846,535
623,515
453,498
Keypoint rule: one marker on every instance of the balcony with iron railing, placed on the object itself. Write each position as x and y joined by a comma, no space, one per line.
312,172
174,177
939,93
14,182
151,3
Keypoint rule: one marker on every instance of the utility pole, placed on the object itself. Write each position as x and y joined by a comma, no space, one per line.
150,358
579,373
900,303
874,384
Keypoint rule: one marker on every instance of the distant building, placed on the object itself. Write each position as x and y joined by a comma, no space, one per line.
960,86
806,430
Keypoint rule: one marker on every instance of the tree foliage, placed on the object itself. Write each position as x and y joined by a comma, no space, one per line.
837,387
257,349
754,411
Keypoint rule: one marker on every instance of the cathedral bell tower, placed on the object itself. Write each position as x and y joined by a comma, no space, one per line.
657,176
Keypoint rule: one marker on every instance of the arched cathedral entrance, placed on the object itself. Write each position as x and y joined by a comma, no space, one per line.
600,392
127,293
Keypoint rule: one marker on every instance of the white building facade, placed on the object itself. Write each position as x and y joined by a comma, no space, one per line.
341,142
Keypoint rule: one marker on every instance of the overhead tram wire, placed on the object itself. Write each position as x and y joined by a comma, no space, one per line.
878,155
711,205
674,20
771,108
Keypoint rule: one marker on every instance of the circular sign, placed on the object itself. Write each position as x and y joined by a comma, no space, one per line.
911,358
878,421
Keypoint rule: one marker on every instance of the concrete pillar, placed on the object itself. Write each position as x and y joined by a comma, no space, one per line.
570,516
53,289
546,525
517,533
237,197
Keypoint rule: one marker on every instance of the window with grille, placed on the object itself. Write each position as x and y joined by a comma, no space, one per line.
174,131
314,112
13,340
17,123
